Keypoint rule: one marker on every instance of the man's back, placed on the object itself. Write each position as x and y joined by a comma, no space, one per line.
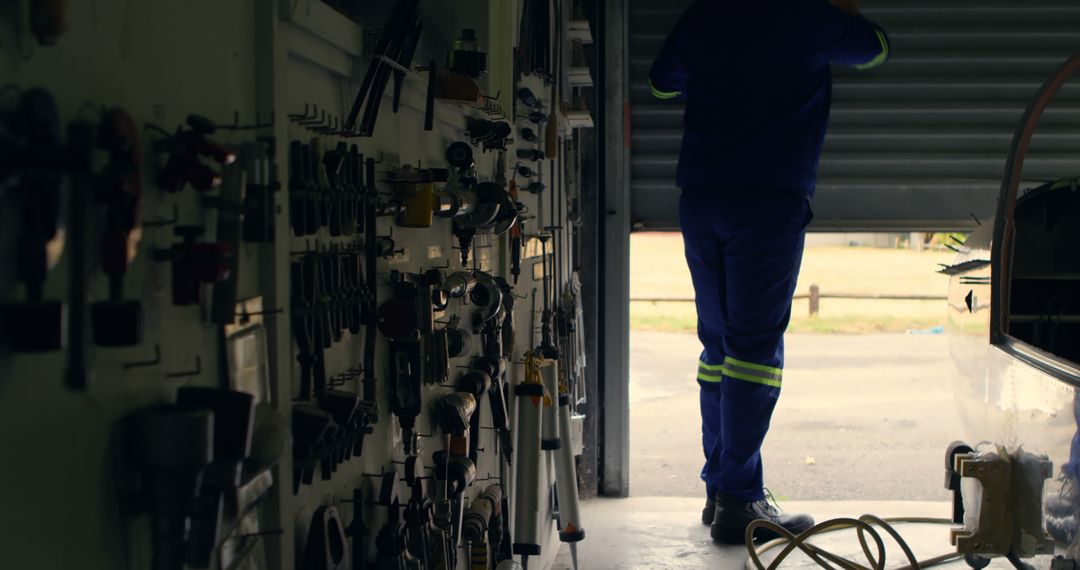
756,78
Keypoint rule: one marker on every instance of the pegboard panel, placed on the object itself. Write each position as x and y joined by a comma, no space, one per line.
285,75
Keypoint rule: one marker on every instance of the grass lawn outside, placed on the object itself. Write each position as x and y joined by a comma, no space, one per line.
658,270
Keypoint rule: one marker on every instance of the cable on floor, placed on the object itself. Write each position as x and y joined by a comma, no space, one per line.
864,526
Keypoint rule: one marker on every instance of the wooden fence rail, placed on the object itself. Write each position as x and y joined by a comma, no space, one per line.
815,296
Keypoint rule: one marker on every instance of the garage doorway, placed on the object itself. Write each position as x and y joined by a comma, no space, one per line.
867,409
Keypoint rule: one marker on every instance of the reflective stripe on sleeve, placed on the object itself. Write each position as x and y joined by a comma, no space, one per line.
881,57
663,94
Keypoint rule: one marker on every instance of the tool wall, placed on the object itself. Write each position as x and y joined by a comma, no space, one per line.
288,284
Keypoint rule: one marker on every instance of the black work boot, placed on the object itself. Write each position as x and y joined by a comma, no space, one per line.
733,516
708,514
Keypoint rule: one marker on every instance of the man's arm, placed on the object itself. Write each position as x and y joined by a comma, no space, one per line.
844,36
668,76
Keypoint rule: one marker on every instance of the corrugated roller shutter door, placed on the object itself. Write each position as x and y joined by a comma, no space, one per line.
919,143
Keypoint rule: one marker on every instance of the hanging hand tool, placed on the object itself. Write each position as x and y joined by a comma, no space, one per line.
392,43
566,480
487,297
229,227
407,53
371,296
516,238
415,188
351,188
326,547
459,341
299,189
406,400
33,154
194,264
489,135
302,279
310,427
530,154
490,203
171,445
392,545
453,411
454,472
476,524
358,530
551,440
186,149
314,212
332,164
526,96
429,107
259,207
465,56
531,400
118,186
344,408
233,428
500,420
438,358
48,20
420,535
80,144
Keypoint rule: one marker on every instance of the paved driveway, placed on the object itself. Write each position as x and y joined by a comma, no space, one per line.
862,417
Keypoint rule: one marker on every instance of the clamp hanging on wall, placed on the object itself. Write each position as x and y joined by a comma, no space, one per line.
194,264
185,149
118,322
32,156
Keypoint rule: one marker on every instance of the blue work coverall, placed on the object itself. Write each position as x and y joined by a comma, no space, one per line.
756,78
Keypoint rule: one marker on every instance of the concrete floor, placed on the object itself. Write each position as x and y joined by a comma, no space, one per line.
665,533
861,417
861,428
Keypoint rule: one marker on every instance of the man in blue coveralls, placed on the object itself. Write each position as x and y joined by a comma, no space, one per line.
756,79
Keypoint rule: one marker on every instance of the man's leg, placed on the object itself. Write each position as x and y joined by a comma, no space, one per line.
705,259
762,259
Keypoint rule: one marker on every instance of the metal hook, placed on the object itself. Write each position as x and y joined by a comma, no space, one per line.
331,126
245,316
263,533
294,117
144,363
313,121
196,372
382,471
236,126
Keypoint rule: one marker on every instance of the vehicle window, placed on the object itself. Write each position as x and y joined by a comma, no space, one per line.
1044,282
